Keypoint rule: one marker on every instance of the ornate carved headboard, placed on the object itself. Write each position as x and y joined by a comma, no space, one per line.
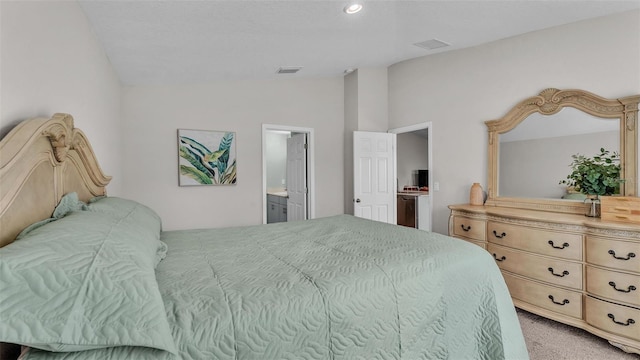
40,161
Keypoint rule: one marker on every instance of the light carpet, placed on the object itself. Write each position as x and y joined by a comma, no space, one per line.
550,340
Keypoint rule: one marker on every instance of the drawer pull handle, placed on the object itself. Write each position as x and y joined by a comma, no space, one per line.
564,273
499,236
558,247
465,228
629,256
563,303
629,289
502,258
613,318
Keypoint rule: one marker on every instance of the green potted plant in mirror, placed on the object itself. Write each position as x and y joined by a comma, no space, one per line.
595,176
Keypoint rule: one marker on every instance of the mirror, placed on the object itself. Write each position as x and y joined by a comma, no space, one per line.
530,148
535,155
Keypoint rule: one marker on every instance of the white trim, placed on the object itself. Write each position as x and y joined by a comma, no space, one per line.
310,166
410,128
420,126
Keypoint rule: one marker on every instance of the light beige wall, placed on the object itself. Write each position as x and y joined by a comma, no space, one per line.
153,114
412,156
52,62
373,109
457,91
365,109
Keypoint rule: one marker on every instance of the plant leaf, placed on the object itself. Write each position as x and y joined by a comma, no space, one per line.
195,145
195,174
225,144
229,177
597,175
214,156
196,161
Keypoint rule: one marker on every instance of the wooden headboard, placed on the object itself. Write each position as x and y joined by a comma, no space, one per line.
40,161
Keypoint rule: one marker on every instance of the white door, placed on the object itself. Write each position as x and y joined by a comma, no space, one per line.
297,177
373,176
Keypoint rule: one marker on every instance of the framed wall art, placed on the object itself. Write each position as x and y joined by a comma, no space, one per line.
206,157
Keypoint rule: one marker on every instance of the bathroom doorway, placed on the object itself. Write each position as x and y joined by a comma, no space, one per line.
287,173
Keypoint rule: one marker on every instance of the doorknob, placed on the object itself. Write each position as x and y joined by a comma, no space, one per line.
357,200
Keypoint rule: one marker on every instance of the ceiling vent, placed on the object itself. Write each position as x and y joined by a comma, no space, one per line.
288,69
432,44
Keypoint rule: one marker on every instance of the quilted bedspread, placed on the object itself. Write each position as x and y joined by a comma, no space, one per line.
331,288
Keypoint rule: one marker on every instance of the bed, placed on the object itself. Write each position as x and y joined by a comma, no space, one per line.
95,277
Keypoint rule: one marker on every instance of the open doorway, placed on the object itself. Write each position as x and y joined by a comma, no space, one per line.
287,173
414,171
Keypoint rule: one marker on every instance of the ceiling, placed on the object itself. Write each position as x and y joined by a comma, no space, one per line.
180,41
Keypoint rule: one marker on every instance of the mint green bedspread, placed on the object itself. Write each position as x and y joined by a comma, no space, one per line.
331,288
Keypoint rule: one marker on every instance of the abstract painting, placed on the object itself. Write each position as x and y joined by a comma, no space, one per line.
206,157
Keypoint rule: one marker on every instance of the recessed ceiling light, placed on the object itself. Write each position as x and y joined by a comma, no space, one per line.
349,71
353,8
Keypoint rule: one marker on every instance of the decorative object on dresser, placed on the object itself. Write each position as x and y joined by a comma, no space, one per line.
621,208
557,263
476,195
595,176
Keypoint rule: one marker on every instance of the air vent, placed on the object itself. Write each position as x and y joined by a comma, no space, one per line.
288,69
432,44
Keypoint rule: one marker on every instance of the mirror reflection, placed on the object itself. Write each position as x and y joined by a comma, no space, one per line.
536,154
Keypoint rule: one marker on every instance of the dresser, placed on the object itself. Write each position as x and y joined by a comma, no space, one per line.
570,268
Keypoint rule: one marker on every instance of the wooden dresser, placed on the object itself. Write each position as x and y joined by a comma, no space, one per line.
570,268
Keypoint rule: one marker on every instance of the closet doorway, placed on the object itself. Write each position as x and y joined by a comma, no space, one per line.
287,173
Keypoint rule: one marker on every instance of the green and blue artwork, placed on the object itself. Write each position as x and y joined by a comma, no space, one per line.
206,157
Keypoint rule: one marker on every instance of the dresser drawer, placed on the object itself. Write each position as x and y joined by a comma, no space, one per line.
469,228
618,319
564,245
554,271
623,255
562,301
614,285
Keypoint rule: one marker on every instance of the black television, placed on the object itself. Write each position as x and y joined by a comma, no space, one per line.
423,178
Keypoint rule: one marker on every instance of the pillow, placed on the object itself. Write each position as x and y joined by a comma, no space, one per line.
141,217
67,204
85,281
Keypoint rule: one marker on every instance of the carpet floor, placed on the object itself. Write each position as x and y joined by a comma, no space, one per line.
550,340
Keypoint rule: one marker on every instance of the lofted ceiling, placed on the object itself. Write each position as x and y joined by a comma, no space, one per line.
181,41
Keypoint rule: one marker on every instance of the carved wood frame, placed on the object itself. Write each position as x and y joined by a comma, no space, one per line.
549,102
40,161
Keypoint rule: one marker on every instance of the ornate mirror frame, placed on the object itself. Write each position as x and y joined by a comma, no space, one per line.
549,102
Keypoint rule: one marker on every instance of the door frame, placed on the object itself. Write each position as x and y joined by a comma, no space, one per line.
311,193
421,126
